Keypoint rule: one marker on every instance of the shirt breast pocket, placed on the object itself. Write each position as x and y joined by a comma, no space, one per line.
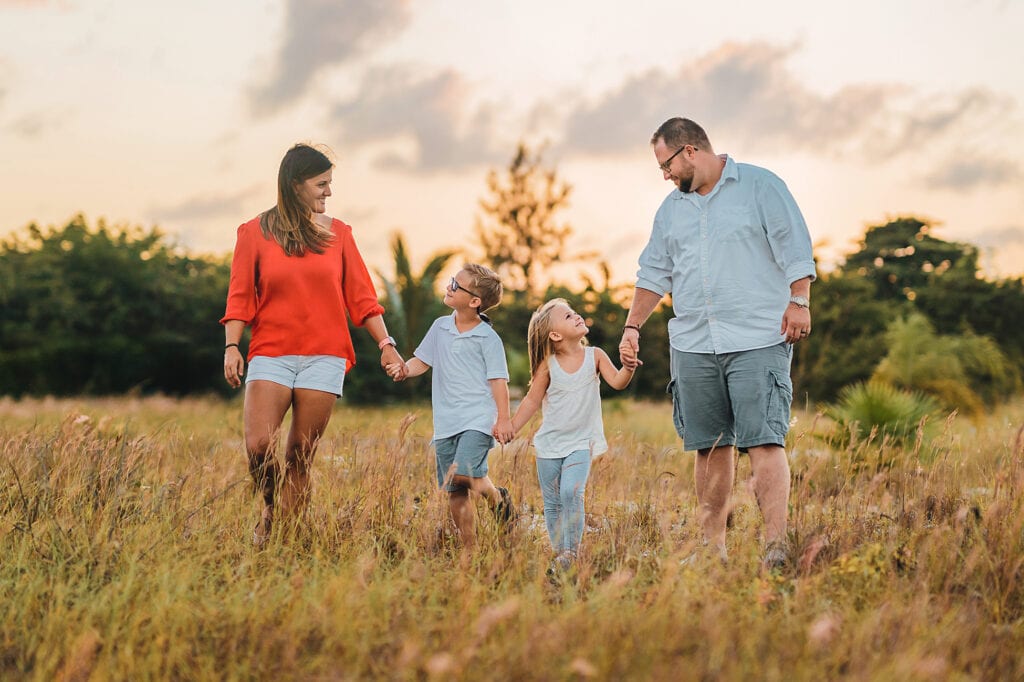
737,224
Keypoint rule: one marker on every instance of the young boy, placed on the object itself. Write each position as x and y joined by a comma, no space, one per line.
469,395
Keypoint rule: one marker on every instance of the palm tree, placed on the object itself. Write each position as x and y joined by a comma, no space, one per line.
413,301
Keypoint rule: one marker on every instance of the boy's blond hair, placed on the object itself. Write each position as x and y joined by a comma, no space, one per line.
486,283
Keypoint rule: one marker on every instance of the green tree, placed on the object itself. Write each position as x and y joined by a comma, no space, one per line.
413,301
902,257
901,268
519,231
107,309
848,341
962,372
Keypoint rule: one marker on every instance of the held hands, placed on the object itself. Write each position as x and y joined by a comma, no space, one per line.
398,371
503,431
392,363
629,349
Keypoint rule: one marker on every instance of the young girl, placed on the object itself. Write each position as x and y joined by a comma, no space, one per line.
564,371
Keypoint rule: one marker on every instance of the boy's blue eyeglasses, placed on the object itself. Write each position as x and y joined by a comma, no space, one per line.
454,286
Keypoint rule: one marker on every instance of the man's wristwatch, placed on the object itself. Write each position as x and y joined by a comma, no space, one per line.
387,341
800,301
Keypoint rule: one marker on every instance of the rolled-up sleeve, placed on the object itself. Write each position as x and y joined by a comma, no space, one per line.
788,236
655,273
241,303
356,285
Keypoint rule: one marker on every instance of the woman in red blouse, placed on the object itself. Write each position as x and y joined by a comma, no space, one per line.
295,274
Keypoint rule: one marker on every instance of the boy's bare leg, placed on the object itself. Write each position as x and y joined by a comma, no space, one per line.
481,486
462,513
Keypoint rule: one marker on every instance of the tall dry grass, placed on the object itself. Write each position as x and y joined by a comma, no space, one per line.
125,545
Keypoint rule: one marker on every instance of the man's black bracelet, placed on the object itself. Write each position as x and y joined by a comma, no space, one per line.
230,345
633,326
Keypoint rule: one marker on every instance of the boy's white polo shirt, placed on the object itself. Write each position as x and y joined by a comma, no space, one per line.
462,364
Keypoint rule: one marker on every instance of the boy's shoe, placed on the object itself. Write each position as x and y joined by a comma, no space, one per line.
505,511
776,556
261,533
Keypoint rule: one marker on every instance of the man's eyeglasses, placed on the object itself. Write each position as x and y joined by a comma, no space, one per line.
668,162
454,286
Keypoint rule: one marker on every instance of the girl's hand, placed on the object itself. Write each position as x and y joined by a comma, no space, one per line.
503,431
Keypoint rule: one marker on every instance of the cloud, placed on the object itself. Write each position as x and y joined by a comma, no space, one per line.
322,33
747,93
969,173
35,124
1011,235
205,207
395,103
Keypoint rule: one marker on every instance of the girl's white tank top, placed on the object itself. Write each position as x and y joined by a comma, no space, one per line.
572,411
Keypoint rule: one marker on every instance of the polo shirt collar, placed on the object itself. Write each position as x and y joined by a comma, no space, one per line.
448,324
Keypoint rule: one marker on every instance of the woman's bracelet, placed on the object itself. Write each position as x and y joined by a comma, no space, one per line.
229,345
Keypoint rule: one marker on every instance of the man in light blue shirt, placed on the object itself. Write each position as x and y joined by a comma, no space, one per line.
732,248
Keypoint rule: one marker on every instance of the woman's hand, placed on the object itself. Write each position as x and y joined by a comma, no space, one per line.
234,366
392,362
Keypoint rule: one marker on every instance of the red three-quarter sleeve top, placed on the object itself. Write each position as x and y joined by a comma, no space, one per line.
297,304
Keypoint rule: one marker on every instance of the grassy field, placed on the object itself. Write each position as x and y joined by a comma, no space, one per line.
125,554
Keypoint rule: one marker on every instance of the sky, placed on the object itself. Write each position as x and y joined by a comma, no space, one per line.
177,114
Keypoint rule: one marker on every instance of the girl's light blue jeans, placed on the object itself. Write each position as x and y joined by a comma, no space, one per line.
563,482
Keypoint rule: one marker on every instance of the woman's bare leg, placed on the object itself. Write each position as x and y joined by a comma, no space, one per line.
311,411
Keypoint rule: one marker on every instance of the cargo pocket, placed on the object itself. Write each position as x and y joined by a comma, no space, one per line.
677,409
780,397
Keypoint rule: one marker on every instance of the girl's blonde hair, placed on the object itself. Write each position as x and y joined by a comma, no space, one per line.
291,223
538,335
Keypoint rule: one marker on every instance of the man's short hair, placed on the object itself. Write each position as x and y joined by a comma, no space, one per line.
678,132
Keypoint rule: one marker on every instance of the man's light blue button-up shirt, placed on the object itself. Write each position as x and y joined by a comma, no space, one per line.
728,259
462,366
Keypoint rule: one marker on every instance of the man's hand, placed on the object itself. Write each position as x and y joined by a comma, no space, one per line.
629,349
796,323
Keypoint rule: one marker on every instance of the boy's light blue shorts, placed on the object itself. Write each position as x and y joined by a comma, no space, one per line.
740,399
315,372
467,451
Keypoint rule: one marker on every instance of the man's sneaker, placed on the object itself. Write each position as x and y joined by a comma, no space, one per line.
261,533
505,511
775,556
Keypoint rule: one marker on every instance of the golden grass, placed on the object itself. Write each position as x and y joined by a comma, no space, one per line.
125,545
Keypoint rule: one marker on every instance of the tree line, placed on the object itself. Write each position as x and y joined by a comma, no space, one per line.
111,309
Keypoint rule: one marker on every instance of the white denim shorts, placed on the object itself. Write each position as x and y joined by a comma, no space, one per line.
315,372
